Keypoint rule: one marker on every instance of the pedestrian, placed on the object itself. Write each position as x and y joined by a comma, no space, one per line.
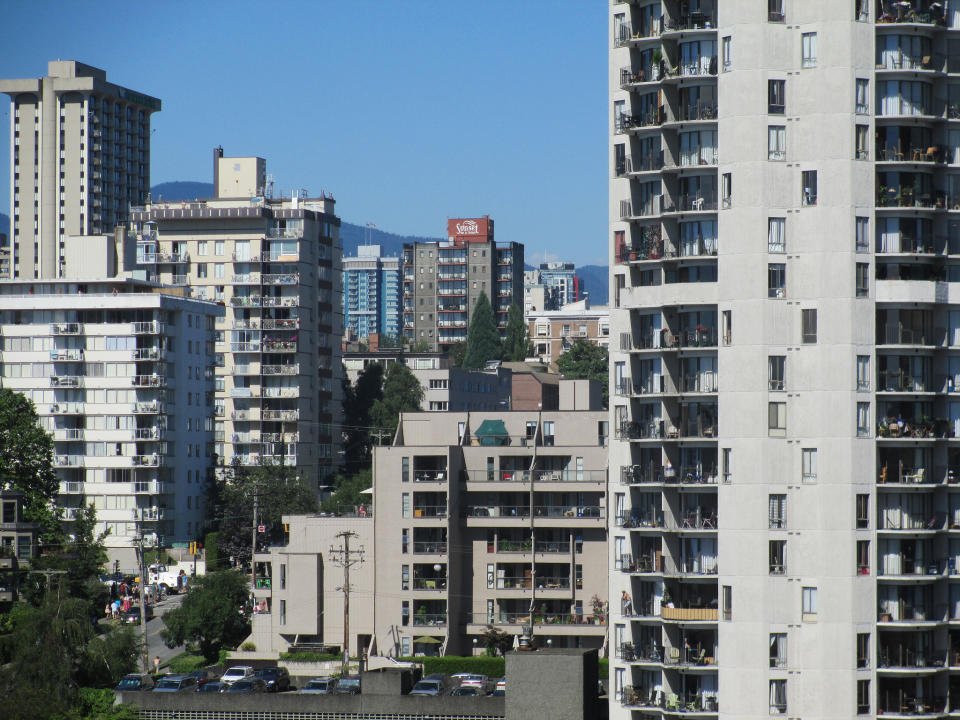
156,664
116,608
108,610
627,603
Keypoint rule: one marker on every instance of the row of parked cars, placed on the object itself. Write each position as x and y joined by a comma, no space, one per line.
244,679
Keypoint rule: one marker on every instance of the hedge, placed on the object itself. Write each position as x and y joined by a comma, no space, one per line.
308,657
493,667
186,662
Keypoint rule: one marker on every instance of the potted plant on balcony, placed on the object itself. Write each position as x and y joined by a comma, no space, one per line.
598,606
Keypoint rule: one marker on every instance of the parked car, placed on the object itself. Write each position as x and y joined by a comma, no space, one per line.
132,616
481,682
202,676
319,686
175,683
348,685
213,686
467,690
276,678
237,672
501,689
135,681
431,686
247,685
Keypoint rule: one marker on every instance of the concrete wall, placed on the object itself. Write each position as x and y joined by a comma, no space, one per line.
559,684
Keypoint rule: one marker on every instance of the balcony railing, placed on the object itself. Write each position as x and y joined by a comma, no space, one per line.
430,548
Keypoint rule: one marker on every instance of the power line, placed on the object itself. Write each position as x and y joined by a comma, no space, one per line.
345,557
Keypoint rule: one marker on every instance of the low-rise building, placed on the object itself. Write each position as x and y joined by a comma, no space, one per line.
121,375
553,332
18,536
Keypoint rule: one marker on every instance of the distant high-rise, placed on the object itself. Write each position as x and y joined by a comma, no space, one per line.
563,277
442,281
80,156
371,293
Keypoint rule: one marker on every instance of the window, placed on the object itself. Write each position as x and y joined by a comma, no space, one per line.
809,603
776,10
776,370
777,511
863,142
863,419
778,557
405,612
727,326
778,650
863,237
809,323
777,280
405,505
776,235
863,697
778,697
863,96
809,43
776,142
726,468
776,97
726,189
861,10
808,469
404,577
218,270
202,247
728,602
283,612
405,469
201,270
863,512
777,419
809,182
863,373
863,650
726,52
218,247
863,280
863,557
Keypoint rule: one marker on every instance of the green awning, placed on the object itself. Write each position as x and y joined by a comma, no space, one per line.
492,432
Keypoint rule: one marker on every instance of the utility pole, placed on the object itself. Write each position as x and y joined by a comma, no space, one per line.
144,652
345,557
253,539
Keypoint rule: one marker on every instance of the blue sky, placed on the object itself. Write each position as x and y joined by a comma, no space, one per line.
408,111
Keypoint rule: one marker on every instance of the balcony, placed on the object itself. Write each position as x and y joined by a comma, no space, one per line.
146,460
284,301
430,548
690,203
147,381
152,327
66,329
66,354
148,408
68,381
923,12
66,409
63,461
149,487
430,511
246,301
281,279
147,353
293,369
162,258
282,324
147,433
430,619
652,118
283,415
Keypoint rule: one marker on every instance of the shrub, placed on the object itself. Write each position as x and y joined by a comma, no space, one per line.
308,657
604,668
186,662
248,647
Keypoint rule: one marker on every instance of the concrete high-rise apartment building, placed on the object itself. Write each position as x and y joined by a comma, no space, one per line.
372,293
442,281
80,150
121,375
816,276
274,264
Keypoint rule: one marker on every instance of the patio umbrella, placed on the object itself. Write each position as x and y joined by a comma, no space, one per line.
427,640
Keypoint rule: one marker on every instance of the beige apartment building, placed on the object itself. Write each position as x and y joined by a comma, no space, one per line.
80,150
274,264
784,193
476,519
553,332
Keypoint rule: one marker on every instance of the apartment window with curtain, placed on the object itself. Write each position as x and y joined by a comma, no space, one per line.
863,419
728,602
863,557
863,697
777,280
809,326
863,237
778,557
863,280
777,235
863,511
776,372
777,511
863,142
777,419
776,97
726,468
776,142
809,184
778,650
809,603
809,49
726,189
726,50
778,697
863,373
775,11
861,10
808,465
863,650
863,96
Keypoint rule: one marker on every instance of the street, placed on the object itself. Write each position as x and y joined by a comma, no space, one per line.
155,645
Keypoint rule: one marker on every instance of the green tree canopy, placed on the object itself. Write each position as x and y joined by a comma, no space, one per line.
280,491
26,461
402,392
586,360
483,338
81,558
357,404
214,614
517,342
458,353
346,494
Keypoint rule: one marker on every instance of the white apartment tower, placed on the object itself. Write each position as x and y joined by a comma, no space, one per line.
815,276
274,264
80,156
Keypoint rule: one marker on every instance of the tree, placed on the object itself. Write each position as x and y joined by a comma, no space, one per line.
496,641
347,492
280,491
586,360
457,353
402,392
214,614
516,344
26,461
357,403
483,338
